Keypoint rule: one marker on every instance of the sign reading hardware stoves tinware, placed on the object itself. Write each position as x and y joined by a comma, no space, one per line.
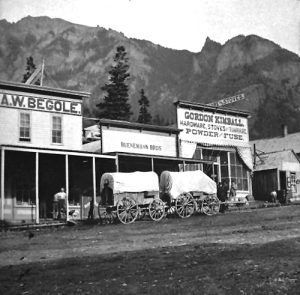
40,103
138,142
212,128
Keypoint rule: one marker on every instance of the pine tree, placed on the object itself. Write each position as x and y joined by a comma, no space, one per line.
144,115
115,103
30,68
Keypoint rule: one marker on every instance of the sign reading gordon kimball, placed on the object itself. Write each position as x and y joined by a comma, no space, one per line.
212,128
40,104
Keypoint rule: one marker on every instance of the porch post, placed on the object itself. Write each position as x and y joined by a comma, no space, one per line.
94,180
229,169
183,163
37,202
67,185
117,163
2,182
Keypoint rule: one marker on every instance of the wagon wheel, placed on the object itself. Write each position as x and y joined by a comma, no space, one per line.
215,205
210,205
127,210
157,209
106,215
185,205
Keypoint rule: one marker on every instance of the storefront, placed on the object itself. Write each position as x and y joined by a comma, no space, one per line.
41,151
279,172
142,147
219,135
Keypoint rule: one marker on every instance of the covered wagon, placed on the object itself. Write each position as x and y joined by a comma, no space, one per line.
128,195
189,191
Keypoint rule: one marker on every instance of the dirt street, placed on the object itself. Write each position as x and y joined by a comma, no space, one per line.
256,252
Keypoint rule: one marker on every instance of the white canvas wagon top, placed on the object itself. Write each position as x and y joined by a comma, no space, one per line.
176,183
136,182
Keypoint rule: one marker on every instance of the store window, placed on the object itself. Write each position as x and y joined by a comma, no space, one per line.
24,127
25,193
238,172
293,182
56,129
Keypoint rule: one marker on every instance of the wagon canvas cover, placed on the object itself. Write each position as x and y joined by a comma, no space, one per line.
131,182
177,183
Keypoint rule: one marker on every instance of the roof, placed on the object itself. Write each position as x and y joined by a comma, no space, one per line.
15,86
201,106
282,160
92,128
92,147
82,152
133,125
290,141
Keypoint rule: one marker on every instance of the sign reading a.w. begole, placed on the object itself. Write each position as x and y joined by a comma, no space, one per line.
45,104
212,128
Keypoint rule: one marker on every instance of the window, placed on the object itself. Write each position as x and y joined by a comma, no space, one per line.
293,182
24,127
56,129
238,172
25,193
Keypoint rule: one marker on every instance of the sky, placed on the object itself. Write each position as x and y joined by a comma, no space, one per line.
177,24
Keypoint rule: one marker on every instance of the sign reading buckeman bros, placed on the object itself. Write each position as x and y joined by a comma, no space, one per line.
212,128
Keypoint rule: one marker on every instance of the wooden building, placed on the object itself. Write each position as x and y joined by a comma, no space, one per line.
220,135
41,151
279,172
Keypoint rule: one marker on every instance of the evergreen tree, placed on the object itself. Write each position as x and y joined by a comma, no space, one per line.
115,103
30,68
144,116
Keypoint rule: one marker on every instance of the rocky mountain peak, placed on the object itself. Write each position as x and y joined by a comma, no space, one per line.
78,57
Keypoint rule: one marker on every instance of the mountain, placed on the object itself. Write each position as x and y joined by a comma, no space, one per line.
79,57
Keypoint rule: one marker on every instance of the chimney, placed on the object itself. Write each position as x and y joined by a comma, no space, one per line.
284,129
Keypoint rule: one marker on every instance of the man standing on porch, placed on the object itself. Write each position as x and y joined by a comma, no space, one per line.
60,198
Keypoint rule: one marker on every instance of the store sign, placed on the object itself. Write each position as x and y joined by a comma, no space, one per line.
40,104
138,143
212,128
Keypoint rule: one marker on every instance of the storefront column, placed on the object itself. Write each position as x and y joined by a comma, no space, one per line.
152,164
2,182
67,185
117,163
37,202
229,169
183,163
94,180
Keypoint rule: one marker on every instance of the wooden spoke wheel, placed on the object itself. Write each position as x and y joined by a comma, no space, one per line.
210,205
185,205
106,215
215,205
127,210
156,209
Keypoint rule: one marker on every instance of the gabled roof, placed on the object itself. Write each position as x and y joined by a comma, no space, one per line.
282,160
288,142
28,88
214,109
134,125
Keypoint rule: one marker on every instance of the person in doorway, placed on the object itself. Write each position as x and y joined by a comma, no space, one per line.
60,198
91,211
106,194
222,194
232,192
